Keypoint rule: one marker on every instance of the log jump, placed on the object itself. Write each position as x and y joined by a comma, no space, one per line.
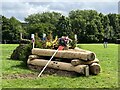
81,61
64,54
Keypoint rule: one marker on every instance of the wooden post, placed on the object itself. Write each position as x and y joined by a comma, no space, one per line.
21,36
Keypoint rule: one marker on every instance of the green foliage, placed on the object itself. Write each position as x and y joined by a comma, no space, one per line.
22,52
38,42
73,44
115,26
42,23
45,17
25,52
63,27
11,29
89,25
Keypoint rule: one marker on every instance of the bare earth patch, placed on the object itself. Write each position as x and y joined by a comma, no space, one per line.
16,76
51,71
37,69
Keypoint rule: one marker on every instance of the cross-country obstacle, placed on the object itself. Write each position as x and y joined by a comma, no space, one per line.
75,60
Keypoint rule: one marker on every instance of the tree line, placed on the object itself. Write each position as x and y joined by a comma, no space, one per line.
89,25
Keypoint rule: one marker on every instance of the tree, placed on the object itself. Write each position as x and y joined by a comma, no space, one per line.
40,28
114,23
11,29
106,26
87,24
42,23
91,30
63,27
16,28
6,33
46,17
0,28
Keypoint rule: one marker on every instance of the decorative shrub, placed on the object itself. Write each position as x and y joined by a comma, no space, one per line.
22,52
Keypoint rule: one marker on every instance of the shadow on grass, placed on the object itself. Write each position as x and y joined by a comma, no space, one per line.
13,59
22,65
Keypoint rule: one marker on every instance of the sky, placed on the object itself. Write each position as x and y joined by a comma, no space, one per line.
22,8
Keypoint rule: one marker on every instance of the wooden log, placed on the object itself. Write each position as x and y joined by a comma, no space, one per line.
80,62
95,68
64,54
82,69
81,50
31,57
85,51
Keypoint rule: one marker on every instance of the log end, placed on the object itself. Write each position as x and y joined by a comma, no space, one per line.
33,56
87,70
75,62
95,68
91,56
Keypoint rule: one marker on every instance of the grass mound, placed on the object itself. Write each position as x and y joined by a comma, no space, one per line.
22,52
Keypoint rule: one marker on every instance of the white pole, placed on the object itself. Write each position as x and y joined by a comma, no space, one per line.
33,40
44,36
33,43
76,37
20,36
47,63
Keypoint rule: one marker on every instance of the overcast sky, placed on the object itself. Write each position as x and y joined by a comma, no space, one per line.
22,8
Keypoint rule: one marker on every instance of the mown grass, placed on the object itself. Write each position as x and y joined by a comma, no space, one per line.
108,78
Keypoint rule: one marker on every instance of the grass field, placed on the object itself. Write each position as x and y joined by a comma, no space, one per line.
108,78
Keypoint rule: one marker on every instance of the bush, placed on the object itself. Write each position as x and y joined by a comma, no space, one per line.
22,52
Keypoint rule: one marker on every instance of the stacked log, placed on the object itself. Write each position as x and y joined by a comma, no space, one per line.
70,54
82,61
95,68
61,65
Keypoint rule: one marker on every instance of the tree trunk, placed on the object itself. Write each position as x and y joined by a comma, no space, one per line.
82,69
64,54
80,62
95,68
